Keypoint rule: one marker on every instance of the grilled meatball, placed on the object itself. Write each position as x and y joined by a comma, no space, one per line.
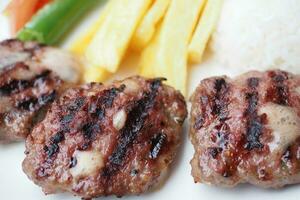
66,66
106,140
28,84
247,129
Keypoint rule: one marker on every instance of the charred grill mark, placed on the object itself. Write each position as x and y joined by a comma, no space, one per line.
220,84
58,137
252,99
73,162
214,151
219,103
104,101
65,120
134,124
254,122
157,143
200,120
53,147
51,150
110,95
220,110
100,113
16,86
156,82
287,156
278,92
75,106
13,86
44,75
28,103
47,98
97,112
253,82
89,129
35,103
254,128
219,107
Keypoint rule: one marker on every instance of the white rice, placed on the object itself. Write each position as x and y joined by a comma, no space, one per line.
258,34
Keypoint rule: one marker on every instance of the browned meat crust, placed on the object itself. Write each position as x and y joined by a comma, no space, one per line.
35,55
27,86
247,129
24,96
101,140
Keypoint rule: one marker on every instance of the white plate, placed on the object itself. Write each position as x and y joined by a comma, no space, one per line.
14,185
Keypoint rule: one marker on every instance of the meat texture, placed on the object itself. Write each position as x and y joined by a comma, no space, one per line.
247,129
107,140
30,80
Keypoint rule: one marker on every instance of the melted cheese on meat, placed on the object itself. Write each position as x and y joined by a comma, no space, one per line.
285,124
8,58
131,86
119,119
66,66
88,162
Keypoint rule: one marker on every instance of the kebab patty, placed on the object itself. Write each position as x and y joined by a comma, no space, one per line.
31,76
106,140
247,129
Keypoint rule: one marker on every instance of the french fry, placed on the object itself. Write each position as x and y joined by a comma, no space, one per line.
146,28
147,60
80,45
204,30
108,46
92,73
166,55
95,74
